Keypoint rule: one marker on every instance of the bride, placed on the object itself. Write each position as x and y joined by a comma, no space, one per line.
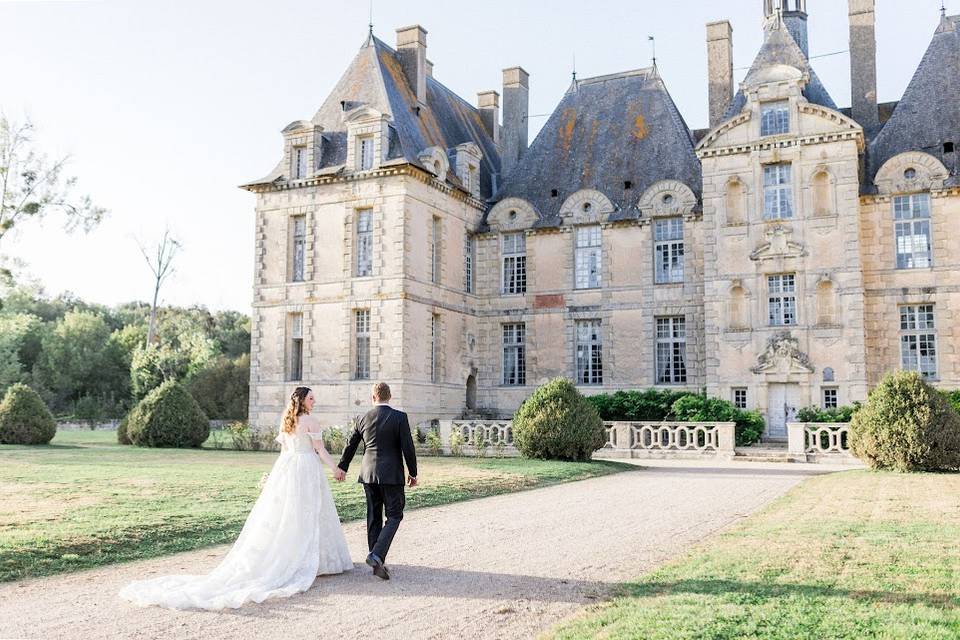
291,536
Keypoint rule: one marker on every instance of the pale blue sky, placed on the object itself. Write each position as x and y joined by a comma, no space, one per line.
167,106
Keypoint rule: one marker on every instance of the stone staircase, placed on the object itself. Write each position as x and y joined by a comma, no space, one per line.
766,452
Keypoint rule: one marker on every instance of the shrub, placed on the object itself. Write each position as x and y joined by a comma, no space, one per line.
953,397
816,414
434,443
334,439
651,405
480,443
456,442
122,436
556,422
906,425
168,417
24,418
699,408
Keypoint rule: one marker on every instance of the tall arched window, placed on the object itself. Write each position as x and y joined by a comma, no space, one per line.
822,196
735,202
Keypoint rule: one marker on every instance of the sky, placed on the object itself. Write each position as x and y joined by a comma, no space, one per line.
166,106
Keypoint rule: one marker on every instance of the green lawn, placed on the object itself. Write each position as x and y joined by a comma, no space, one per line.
851,555
84,501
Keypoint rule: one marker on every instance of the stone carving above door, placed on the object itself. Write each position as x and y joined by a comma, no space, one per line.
783,355
778,245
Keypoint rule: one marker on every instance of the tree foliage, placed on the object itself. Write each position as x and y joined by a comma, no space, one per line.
33,186
222,389
82,358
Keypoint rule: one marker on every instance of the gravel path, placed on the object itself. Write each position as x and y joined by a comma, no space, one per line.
502,567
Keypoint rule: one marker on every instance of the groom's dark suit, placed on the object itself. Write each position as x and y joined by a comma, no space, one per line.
385,433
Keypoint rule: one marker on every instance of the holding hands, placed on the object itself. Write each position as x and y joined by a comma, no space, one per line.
339,474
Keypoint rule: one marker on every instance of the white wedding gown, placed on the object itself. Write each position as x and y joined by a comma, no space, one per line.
292,535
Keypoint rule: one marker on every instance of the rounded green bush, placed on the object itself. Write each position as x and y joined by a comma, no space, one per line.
24,418
168,417
557,423
906,425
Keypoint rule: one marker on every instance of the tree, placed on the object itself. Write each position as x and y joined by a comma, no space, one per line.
81,357
161,264
31,186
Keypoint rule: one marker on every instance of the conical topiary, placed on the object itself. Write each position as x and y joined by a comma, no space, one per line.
558,423
168,417
24,418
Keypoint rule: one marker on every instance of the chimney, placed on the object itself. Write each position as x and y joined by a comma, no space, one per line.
488,103
412,47
516,103
429,69
719,68
863,62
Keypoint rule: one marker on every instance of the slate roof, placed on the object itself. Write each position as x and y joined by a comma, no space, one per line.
605,131
928,114
779,47
376,79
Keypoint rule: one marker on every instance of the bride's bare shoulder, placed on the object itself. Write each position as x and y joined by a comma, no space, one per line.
309,422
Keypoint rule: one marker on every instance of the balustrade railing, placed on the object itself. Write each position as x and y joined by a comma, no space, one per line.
818,437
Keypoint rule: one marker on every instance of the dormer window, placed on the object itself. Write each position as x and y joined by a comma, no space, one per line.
366,153
299,162
774,118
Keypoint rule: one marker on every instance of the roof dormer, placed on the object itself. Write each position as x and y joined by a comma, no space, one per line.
302,149
467,159
368,138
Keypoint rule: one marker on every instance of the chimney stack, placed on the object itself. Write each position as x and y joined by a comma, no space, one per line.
863,62
488,103
719,68
412,47
516,104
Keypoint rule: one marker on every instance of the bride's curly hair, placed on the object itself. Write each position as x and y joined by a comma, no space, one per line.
295,409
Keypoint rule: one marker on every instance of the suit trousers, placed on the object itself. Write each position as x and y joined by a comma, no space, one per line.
380,498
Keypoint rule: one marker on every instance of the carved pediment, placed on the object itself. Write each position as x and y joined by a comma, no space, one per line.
778,245
782,355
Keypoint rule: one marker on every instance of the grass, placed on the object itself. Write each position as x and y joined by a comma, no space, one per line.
84,501
851,555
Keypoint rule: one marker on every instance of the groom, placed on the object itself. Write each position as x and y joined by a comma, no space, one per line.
385,433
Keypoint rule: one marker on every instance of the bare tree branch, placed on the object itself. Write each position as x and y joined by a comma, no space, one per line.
32,187
162,268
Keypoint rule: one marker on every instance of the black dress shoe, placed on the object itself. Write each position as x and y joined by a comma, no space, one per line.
378,569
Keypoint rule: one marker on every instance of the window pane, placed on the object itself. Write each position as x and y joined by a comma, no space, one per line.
365,242
774,118
514,360
299,247
514,263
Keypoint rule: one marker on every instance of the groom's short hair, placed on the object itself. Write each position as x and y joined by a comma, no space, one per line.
381,391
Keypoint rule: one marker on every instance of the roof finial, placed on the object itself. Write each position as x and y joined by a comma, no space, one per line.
574,67
653,45
370,23
943,9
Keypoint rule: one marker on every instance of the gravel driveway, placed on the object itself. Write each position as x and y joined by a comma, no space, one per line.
502,567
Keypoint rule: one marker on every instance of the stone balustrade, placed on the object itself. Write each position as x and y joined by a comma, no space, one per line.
624,439
825,440
669,439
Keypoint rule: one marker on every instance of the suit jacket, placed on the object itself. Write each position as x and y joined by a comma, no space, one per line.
385,433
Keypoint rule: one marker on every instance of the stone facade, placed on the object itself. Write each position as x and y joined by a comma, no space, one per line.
757,260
